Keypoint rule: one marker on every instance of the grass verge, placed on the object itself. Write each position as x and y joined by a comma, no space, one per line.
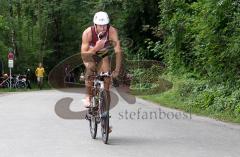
173,98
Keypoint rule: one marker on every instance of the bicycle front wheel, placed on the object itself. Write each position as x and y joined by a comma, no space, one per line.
104,115
93,127
92,117
6,84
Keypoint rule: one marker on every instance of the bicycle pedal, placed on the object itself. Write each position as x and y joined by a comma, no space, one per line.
87,117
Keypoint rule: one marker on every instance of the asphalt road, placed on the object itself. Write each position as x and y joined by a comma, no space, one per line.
49,124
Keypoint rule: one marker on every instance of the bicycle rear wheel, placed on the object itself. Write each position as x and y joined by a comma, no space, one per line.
21,84
92,117
104,115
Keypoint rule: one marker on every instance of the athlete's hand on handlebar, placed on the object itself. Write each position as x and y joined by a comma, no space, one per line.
115,73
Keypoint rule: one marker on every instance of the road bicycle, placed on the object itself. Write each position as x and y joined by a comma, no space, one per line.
98,112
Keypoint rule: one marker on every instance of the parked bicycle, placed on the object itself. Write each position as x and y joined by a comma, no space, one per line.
17,81
99,110
20,81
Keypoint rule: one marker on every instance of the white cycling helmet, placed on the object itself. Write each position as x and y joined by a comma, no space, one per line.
101,18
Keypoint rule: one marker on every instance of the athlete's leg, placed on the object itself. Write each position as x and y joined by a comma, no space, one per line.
104,66
90,71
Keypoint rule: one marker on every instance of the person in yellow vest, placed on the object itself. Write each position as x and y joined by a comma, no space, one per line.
39,72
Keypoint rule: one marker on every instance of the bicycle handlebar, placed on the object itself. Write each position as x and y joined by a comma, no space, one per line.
105,74
101,75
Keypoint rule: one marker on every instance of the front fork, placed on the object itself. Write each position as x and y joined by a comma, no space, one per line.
98,87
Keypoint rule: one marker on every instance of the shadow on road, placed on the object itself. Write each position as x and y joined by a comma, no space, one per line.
131,141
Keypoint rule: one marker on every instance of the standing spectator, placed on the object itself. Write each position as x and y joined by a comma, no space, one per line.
39,72
28,75
67,73
72,77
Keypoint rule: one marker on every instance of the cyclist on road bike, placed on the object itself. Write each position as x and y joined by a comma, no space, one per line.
96,42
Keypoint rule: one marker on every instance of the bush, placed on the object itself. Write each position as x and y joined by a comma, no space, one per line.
185,89
237,109
146,76
219,98
148,81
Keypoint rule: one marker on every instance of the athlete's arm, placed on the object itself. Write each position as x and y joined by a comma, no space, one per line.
117,49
